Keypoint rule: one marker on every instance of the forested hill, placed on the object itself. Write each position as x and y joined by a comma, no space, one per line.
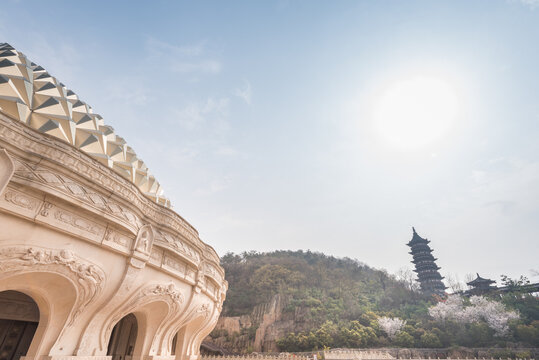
334,288
302,301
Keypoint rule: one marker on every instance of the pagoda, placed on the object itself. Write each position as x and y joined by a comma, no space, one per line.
425,266
480,285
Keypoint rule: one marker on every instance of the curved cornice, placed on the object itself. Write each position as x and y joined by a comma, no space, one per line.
49,165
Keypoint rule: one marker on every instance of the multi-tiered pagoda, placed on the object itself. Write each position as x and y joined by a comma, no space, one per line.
425,266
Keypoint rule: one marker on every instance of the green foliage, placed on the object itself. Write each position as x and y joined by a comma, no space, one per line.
523,355
528,333
333,289
514,284
430,340
218,333
340,301
404,339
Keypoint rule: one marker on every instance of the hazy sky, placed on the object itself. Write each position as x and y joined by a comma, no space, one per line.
261,119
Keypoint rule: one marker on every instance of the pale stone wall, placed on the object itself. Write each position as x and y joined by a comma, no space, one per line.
89,248
254,356
356,354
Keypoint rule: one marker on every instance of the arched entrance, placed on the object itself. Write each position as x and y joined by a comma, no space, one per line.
174,342
19,317
123,338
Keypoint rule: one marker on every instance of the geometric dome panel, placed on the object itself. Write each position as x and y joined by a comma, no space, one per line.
28,93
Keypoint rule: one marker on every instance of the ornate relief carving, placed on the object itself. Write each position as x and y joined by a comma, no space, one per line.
176,265
211,288
156,257
211,270
64,172
77,222
89,278
28,140
21,200
210,253
144,240
190,273
45,208
204,310
180,246
145,295
77,190
6,169
31,141
115,237
162,290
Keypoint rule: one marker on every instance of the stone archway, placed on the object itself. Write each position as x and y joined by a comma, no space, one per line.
123,338
19,318
173,345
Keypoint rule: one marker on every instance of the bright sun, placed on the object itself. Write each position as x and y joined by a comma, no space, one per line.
415,112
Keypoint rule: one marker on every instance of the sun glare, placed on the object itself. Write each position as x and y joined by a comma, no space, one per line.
416,112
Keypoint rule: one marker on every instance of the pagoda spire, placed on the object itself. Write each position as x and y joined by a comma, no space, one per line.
425,265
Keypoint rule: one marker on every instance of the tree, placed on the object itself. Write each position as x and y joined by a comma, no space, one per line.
391,326
493,313
450,309
430,340
404,339
468,278
515,285
454,283
528,333
407,277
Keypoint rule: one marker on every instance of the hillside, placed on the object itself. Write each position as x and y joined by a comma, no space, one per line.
302,301
332,288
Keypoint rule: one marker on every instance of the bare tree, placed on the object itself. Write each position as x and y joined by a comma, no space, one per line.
407,277
468,277
454,283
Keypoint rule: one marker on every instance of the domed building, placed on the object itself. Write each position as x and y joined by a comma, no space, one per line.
94,264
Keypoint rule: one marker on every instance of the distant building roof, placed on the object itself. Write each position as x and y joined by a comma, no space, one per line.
480,281
416,239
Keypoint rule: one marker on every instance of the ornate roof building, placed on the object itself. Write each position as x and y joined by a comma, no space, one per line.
425,265
94,264
480,285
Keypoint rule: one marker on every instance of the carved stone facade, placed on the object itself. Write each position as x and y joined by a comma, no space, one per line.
89,247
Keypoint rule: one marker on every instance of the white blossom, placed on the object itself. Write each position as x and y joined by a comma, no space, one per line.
391,326
447,310
493,313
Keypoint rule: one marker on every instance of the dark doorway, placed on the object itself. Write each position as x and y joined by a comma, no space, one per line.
174,342
19,317
123,337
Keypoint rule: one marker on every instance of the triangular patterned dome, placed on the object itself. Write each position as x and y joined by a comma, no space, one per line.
28,93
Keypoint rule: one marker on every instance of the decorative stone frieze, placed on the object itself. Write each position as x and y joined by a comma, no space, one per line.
88,277
19,140
87,243
6,169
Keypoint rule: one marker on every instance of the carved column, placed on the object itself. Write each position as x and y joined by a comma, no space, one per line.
6,169
103,321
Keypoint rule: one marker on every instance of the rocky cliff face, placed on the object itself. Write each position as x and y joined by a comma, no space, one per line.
260,330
